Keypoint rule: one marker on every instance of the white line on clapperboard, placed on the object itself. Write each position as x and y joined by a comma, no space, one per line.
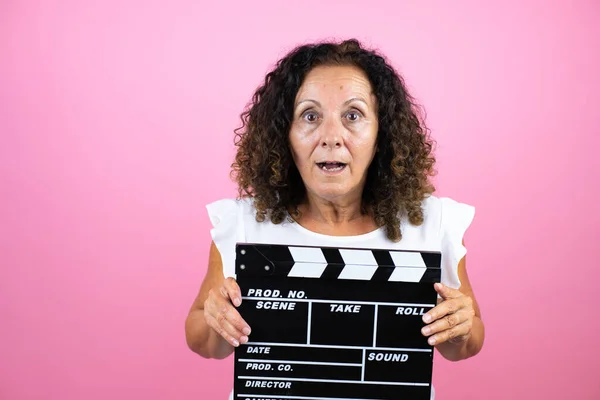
363,365
254,360
334,346
336,301
271,378
309,322
375,325
262,396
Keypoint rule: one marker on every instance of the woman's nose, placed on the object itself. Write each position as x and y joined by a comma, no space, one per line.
331,133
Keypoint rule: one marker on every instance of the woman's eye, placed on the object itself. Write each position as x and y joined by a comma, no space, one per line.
353,115
311,116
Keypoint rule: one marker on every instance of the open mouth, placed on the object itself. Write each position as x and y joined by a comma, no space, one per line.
331,166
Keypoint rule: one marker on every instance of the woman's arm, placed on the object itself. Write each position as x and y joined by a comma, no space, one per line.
455,326
213,326
458,347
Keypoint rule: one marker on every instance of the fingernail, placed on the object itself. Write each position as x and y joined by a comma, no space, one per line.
431,341
246,331
244,339
427,318
237,302
426,331
236,343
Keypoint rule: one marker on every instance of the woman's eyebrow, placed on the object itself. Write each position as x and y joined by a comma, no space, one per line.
356,99
308,100
345,103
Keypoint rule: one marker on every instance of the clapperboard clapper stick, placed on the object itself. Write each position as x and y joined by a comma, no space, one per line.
334,323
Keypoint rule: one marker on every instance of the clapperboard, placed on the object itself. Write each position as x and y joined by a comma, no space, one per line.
334,323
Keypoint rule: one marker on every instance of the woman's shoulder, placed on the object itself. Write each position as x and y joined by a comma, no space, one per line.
443,217
450,218
446,209
433,201
227,219
228,207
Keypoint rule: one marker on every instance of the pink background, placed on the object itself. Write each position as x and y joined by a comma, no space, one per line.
116,124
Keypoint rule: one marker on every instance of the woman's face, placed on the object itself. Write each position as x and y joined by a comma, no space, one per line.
334,132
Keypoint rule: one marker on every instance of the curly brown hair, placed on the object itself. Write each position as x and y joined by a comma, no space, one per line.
397,179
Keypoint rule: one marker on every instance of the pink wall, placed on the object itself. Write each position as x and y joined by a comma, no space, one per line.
116,124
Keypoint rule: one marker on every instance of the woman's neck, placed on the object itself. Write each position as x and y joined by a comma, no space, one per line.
333,217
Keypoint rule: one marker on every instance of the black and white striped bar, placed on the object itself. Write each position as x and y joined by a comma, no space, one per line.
334,323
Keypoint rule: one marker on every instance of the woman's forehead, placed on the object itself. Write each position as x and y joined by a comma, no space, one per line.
339,82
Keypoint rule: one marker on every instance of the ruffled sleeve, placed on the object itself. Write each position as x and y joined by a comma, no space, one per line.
455,220
227,230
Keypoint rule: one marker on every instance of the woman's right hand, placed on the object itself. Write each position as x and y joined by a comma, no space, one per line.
221,314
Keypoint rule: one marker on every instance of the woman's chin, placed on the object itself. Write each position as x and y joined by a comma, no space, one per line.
333,193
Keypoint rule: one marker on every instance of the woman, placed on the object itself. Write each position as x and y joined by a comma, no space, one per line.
333,152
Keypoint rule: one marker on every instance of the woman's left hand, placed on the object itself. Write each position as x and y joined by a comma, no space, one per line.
451,320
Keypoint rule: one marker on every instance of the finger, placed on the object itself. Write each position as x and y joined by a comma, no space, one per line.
225,330
234,318
231,290
447,322
447,292
223,318
459,332
239,336
222,310
444,308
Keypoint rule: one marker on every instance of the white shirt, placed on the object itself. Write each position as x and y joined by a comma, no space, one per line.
445,223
